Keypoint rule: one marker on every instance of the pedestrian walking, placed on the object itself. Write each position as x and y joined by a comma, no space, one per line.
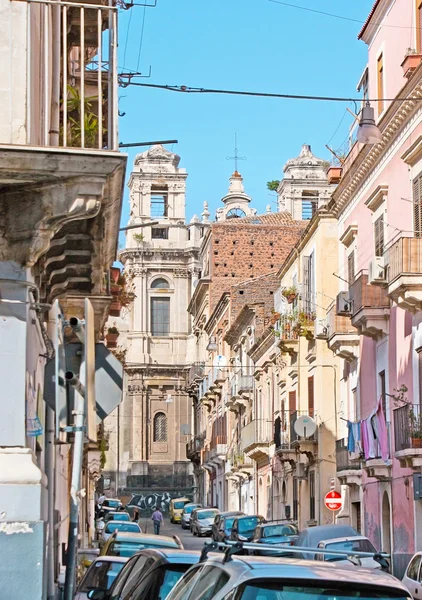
157,519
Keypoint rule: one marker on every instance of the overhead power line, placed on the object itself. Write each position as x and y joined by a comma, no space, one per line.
184,89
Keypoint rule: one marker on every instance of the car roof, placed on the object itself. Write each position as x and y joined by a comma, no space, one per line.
179,499
117,512
232,513
345,538
249,517
132,536
112,559
112,500
250,567
198,510
173,555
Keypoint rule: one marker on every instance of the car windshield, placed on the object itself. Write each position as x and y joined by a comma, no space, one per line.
180,504
127,548
101,575
171,577
120,517
189,509
275,530
247,524
348,546
122,526
208,514
228,523
275,590
112,503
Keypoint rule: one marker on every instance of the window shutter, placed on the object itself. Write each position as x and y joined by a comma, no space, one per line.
379,236
292,402
351,267
417,205
311,396
307,276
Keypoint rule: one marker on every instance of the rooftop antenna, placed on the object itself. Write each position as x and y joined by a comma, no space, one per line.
236,157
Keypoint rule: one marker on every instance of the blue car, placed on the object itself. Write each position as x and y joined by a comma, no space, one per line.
281,534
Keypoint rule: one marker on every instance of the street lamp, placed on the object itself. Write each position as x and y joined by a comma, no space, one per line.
368,132
212,344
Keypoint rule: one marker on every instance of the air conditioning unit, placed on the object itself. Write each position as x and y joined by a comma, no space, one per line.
377,274
301,471
343,304
321,329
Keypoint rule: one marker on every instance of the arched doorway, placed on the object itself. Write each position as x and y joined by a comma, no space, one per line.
386,524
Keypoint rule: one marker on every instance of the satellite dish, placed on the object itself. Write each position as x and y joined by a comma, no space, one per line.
220,362
305,427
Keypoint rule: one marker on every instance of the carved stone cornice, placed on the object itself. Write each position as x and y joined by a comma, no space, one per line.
394,126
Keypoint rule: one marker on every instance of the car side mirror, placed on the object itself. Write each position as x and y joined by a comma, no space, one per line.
96,595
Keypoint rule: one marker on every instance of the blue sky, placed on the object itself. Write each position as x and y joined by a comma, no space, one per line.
254,45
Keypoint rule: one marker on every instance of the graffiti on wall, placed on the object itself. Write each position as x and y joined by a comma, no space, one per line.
149,501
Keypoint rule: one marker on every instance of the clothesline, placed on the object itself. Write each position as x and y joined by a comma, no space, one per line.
369,436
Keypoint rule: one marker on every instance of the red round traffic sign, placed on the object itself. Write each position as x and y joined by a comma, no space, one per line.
333,500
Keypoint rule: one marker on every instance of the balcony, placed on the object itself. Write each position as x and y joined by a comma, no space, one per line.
217,378
194,447
404,273
196,374
342,337
305,445
283,431
408,435
287,332
370,307
257,439
349,471
238,398
218,450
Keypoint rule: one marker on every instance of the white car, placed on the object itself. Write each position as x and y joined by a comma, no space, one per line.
349,544
413,577
113,526
100,575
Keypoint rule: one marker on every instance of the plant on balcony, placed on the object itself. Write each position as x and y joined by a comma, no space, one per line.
415,428
290,293
138,238
111,336
74,124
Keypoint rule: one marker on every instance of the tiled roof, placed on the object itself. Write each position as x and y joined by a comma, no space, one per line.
371,14
276,218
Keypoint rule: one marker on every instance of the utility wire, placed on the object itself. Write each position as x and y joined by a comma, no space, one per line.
193,90
342,17
142,38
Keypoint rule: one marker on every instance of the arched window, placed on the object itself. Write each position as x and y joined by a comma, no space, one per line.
160,427
160,283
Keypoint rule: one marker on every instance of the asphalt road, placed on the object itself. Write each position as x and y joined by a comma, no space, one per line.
188,540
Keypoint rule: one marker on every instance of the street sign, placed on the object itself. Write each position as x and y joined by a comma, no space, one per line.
220,362
333,501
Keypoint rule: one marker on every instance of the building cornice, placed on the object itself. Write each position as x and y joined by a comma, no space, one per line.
393,128
242,320
263,344
218,312
200,291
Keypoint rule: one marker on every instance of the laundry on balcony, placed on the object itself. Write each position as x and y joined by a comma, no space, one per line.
369,436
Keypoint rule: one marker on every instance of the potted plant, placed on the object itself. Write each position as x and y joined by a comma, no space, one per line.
290,293
111,337
411,62
334,173
415,428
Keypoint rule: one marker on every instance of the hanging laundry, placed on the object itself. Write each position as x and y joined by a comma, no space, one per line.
365,442
372,440
351,437
382,433
357,435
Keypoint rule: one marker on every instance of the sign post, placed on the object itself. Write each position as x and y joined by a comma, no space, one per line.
333,501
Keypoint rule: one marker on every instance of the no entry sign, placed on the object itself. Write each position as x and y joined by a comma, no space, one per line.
333,500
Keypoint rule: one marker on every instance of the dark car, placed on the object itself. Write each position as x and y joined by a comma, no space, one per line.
243,527
282,534
149,575
223,523
312,536
110,504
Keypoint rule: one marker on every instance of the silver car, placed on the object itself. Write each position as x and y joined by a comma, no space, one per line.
100,575
259,578
413,577
202,520
187,513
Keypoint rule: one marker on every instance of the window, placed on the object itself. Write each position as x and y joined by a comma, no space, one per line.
351,267
159,201
308,282
160,316
160,283
379,236
309,204
417,205
160,427
383,393
311,396
130,576
312,495
209,583
380,81
185,585
418,25
160,233
235,213
413,568
100,576
277,589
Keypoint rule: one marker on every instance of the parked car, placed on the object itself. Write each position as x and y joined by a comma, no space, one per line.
312,536
222,525
266,578
110,504
176,509
122,543
281,535
202,520
413,577
350,544
100,575
244,527
149,575
117,516
113,526
187,513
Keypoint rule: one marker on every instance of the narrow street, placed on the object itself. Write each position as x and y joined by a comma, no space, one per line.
188,540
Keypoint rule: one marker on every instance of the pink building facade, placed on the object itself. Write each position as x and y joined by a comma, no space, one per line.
378,203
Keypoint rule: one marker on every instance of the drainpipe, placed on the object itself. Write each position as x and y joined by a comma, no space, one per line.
49,467
55,76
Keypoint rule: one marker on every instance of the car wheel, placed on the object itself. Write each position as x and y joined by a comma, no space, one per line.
193,532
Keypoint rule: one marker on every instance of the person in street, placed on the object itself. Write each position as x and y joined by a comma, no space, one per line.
157,519
136,514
